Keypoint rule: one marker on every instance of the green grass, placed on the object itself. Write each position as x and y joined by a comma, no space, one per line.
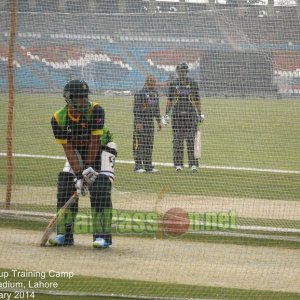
220,183
259,133
109,286
254,133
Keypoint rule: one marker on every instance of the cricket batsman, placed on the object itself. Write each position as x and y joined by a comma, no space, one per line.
90,152
185,103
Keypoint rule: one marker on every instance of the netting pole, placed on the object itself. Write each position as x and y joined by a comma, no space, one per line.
10,75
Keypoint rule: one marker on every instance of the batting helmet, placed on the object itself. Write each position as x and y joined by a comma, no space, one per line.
77,89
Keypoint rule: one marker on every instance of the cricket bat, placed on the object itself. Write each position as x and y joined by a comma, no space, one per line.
197,144
52,224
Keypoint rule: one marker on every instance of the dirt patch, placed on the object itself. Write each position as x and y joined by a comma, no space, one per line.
168,260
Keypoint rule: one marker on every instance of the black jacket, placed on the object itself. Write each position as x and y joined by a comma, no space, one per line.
146,106
184,97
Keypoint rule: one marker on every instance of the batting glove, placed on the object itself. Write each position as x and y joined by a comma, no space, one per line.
200,118
81,187
89,176
165,120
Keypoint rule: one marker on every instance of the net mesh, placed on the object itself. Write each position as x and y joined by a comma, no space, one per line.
230,230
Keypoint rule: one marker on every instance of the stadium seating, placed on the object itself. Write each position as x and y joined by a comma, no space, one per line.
120,60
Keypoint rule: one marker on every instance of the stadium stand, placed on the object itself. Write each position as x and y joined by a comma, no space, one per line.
129,54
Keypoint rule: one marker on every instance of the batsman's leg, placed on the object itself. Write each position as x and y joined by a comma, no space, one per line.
101,206
65,189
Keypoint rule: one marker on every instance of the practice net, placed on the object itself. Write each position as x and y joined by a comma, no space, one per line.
230,230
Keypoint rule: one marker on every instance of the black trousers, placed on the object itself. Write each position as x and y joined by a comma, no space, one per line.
143,147
101,206
184,130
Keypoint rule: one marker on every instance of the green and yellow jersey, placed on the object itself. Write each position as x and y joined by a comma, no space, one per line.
77,131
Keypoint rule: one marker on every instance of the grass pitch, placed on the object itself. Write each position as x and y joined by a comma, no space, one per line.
256,133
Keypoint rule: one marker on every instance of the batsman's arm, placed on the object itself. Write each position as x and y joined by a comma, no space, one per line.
61,137
77,165
73,158
93,149
97,130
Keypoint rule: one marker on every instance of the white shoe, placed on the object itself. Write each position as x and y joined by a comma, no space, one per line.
100,243
60,240
153,171
140,171
178,168
194,169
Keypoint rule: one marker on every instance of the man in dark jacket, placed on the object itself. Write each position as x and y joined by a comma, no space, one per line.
146,109
184,102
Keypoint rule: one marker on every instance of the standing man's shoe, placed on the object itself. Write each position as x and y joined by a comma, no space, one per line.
194,169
